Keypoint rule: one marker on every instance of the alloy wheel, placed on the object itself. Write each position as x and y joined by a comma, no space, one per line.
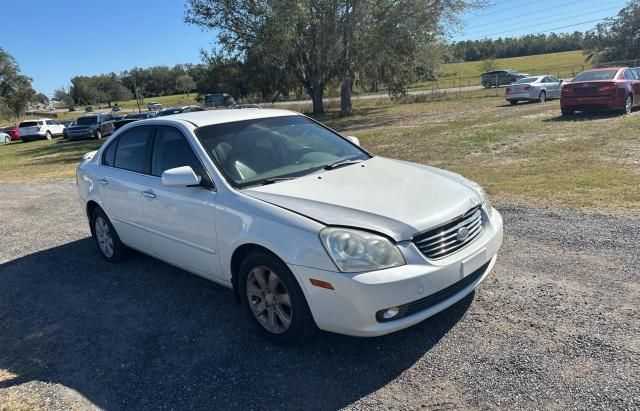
628,104
103,235
269,299
542,97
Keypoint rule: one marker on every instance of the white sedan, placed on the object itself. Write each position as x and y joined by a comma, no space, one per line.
537,88
308,229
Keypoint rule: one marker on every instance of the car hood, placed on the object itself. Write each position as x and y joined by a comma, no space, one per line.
395,198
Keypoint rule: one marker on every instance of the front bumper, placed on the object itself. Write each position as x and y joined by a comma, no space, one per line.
352,306
80,135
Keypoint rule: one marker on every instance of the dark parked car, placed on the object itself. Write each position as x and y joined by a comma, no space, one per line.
67,124
12,131
115,109
153,106
94,126
218,100
178,110
604,89
88,109
130,118
500,77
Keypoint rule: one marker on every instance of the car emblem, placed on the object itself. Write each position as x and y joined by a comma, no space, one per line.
463,234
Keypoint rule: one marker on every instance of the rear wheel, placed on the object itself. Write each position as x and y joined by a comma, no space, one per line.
542,97
513,102
98,134
273,299
628,104
7,140
48,135
106,238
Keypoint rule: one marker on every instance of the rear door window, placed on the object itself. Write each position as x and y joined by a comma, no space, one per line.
170,150
133,149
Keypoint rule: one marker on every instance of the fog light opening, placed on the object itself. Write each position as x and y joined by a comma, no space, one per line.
390,313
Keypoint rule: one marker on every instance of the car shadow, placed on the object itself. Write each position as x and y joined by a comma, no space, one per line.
143,334
584,116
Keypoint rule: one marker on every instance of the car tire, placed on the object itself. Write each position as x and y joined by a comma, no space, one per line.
48,135
513,102
7,140
98,135
542,97
107,240
628,105
275,305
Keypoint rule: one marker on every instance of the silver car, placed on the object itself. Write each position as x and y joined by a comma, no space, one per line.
537,88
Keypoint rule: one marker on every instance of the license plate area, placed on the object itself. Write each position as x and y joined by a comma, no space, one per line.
474,262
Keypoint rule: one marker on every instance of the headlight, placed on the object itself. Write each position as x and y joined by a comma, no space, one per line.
484,195
355,251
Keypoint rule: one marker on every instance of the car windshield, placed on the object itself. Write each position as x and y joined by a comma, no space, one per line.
139,115
527,80
596,75
86,121
261,151
28,124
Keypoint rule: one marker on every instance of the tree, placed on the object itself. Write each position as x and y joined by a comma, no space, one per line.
15,88
64,96
322,40
185,83
41,98
616,38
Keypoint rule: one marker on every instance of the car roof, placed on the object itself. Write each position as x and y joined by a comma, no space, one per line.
606,68
210,117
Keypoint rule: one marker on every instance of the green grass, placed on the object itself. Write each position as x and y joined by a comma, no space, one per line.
522,154
564,64
166,101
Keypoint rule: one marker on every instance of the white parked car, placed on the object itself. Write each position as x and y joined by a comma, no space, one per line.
43,128
306,227
5,138
536,88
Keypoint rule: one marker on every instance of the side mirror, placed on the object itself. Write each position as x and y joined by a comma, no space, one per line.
180,177
354,140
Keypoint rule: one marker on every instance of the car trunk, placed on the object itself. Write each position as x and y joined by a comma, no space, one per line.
590,89
29,127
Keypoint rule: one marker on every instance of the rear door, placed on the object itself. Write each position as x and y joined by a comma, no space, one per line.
124,173
181,220
631,77
553,86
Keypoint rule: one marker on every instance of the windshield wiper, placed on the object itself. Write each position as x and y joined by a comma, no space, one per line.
275,180
340,163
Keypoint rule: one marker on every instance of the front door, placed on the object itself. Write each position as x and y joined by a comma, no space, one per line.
180,219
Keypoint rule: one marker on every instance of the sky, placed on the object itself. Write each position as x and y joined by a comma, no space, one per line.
513,18
54,40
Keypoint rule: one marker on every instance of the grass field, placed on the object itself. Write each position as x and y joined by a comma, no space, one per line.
522,154
565,64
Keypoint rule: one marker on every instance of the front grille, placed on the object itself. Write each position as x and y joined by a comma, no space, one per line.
448,238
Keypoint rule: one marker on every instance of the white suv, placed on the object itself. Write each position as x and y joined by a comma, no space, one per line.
39,129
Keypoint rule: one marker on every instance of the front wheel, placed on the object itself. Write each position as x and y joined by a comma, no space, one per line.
513,102
7,140
273,299
98,135
542,97
106,238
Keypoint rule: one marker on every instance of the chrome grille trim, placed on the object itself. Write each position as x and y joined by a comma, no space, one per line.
442,241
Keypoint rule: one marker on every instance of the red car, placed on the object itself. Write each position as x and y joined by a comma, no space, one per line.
12,131
604,89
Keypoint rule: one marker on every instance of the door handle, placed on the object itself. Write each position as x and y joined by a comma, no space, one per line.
103,181
149,194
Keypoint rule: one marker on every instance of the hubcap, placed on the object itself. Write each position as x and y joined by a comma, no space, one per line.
628,105
269,300
543,97
103,234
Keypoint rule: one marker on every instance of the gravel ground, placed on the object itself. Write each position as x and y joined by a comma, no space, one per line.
555,326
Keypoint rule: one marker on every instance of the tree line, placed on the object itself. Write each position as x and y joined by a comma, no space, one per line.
616,38
474,50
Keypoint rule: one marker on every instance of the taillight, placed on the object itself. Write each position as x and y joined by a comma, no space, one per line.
508,90
607,89
526,88
568,91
